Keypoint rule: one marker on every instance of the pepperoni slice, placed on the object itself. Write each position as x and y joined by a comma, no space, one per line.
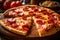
6,22
36,9
14,25
37,16
40,22
26,9
24,17
51,22
50,13
12,15
18,12
52,17
31,13
26,27
44,12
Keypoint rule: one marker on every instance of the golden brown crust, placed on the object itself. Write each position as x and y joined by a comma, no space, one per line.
12,29
48,32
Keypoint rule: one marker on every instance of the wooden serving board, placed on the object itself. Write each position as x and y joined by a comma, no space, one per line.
33,35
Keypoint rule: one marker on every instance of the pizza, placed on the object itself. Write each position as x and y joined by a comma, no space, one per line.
20,19
19,25
46,25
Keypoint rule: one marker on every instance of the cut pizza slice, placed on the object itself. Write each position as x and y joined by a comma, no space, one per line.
18,25
45,26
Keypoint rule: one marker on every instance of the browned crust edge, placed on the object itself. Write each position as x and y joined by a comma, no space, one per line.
12,29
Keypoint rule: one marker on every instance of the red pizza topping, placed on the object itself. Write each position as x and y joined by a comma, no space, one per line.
31,13
6,22
24,17
40,22
12,16
18,12
51,22
49,14
26,27
14,25
36,9
52,17
26,9
44,12
37,16
59,16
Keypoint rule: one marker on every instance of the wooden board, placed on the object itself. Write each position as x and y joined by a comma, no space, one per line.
32,34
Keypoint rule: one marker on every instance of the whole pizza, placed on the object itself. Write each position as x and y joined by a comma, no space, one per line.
20,19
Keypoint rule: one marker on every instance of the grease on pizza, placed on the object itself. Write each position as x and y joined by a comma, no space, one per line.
46,21
18,25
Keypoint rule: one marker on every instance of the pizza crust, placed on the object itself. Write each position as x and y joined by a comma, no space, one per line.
49,32
13,30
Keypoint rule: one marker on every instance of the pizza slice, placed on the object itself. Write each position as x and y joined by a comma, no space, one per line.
18,25
45,25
